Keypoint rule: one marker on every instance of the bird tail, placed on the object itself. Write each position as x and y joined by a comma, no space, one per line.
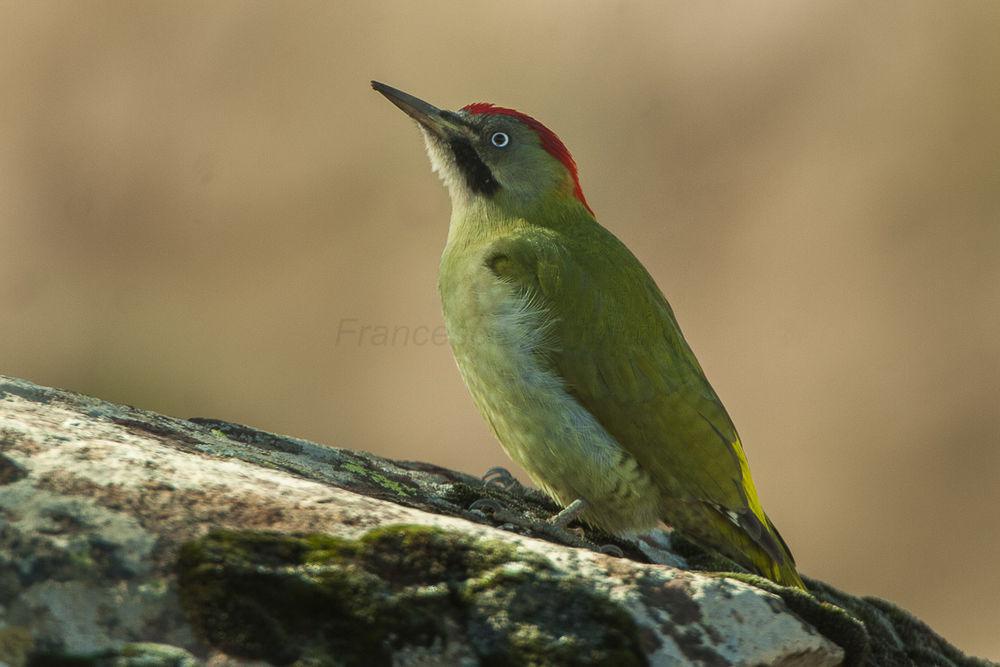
785,572
742,537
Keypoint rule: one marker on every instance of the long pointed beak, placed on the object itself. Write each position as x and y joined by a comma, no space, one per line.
438,122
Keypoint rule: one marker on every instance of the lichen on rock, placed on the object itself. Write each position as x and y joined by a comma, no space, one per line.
132,538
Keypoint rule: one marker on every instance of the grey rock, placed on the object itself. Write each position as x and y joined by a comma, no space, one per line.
131,538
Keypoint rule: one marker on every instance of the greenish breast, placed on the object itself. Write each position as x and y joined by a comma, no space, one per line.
500,336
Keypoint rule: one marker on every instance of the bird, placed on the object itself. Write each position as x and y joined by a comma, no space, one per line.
570,350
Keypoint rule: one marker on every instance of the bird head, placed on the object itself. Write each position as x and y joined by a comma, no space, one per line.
487,154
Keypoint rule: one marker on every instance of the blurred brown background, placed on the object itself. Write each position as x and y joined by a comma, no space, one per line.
201,204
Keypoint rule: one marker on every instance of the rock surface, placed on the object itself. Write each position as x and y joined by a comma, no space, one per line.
130,538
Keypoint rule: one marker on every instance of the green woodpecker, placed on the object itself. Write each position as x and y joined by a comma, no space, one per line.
571,352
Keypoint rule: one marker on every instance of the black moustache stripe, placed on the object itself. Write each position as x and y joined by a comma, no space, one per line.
478,176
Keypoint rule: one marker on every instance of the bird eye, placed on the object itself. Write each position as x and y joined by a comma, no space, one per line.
499,139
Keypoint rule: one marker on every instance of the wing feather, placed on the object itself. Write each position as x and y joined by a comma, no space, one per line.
617,346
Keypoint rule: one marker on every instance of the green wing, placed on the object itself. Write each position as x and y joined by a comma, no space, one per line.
616,344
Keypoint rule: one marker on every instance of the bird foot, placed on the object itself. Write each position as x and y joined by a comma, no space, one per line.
486,506
494,509
572,511
501,477
611,550
553,529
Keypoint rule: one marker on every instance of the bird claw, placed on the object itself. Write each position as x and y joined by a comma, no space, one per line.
498,476
611,550
497,513
486,506
555,528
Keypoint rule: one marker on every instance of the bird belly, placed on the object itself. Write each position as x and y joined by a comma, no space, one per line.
500,339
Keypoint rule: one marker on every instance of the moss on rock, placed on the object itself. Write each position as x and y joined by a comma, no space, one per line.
523,617
15,645
833,622
322,600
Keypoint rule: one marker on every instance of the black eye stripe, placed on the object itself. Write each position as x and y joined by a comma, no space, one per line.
477,175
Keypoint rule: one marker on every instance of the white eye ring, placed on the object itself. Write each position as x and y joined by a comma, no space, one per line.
499,139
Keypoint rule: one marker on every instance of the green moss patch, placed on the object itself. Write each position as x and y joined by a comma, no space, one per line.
377,478
321,600
830,619
520,617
